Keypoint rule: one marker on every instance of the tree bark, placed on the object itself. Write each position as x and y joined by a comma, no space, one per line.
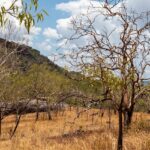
128,118
0,122
120,131
49,112
17,123
37,109
109,117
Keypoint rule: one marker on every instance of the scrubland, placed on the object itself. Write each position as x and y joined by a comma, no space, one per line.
91,130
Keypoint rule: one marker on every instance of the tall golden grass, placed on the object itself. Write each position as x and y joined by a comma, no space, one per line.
66,131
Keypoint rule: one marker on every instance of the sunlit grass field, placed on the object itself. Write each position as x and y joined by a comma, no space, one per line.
68,131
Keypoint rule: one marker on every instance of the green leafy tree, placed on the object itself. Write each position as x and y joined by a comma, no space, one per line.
26,13
45,84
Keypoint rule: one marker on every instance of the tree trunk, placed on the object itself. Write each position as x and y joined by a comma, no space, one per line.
0,122
120,132
37,110
49,112
49,115
17,123
128,113
17,115
109,117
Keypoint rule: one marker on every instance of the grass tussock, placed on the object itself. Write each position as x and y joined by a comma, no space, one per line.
66,131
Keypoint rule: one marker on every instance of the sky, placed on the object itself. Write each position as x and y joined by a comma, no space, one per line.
48,36
45,36
50,7
56,24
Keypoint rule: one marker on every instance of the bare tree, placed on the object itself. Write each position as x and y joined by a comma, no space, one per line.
121,63
8,58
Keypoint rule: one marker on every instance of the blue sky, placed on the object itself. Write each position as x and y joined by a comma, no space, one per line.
50,7
50,21
59,12
46,35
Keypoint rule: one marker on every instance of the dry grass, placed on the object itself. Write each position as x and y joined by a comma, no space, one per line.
83,133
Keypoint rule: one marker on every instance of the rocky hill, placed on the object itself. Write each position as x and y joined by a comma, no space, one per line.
25,56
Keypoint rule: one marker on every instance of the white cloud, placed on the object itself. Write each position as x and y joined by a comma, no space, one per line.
50,33
139,5
76,7
8,3
44,46
35,30
19,34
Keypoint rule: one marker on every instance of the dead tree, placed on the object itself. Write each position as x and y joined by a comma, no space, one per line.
8,58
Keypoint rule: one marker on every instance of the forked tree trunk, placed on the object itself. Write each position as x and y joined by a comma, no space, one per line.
128,113
120,131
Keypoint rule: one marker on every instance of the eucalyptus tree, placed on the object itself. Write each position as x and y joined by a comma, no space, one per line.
38,88
8,65
44,84
12,92
26,12
22,12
